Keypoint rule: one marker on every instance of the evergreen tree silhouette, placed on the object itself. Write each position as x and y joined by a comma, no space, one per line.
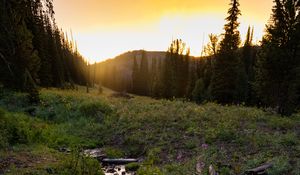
225,78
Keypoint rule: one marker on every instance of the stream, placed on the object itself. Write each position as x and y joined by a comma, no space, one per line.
116,170
110,166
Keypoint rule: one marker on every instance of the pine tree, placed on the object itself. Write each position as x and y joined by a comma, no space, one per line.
277,74
248,61
175,73
135,76
32,50
159,85
16,49
225,79
144,75
198,93
153,77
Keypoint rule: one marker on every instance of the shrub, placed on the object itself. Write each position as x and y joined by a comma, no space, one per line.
77,164
282,123
95,109
19,129
149,170
113,153
132,167
289,139
281,166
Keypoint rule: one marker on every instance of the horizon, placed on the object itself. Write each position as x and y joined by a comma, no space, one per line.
105,29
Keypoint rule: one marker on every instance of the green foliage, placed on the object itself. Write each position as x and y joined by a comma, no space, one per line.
289,139
149,170
281,166
175,72
277,55
199,94
161,131
95,109
132,167
80,165
113,152
19,129
225,81
141,75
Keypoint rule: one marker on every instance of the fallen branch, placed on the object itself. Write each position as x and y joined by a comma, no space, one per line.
259,170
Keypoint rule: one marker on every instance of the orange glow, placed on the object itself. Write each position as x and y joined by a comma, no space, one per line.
106,28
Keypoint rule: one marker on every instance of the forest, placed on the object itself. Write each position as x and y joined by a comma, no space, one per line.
34,52
232,71
232,111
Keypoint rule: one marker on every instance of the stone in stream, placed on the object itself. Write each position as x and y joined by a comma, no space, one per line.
117,170
95,153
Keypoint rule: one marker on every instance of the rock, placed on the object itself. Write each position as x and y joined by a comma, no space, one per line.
64,150
95,153
212,171
110,170
200,167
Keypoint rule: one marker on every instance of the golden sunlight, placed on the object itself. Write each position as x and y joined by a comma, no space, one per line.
104,29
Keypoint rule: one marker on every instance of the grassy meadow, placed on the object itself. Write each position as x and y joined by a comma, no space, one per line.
170,137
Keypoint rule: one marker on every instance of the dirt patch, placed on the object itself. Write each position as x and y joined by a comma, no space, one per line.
23,160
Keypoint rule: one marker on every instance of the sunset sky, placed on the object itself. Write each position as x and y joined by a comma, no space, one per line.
106,28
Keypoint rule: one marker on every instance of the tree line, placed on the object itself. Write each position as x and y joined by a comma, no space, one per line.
232,71
34,51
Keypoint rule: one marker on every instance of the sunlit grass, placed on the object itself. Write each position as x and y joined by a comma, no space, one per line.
171,136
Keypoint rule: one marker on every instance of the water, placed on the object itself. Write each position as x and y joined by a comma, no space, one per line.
116,170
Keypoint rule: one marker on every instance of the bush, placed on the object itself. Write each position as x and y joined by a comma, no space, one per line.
149,170
19,129
3,131
95,109
77,164
132,167
113,153
281,166
289,139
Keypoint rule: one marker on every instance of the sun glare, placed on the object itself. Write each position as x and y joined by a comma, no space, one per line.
119,28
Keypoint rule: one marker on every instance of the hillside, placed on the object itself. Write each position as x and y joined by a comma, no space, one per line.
120,67
170,137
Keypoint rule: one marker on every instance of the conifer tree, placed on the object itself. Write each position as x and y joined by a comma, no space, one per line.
159,85
32,49
225,79
175,73
277,74
144,75
135,76
153,76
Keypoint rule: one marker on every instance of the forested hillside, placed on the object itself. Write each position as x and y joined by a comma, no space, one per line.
233,109
233,70
34,51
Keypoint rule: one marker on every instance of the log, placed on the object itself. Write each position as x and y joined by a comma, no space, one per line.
118,161
259,170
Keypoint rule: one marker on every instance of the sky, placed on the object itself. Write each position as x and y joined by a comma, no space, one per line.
106,28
